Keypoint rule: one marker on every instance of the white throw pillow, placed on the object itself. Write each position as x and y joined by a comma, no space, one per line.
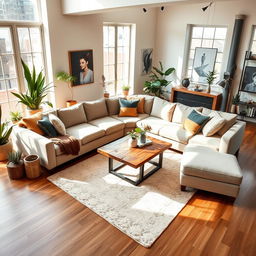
213,125
58,124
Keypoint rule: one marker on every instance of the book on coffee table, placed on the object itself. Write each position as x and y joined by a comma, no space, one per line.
141,145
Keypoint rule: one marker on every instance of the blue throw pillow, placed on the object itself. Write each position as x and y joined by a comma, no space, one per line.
46,126
128,107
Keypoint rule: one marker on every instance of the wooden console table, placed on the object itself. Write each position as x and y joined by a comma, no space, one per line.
196,99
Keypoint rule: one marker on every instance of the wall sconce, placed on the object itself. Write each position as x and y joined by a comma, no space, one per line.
162,8
144,10
206,7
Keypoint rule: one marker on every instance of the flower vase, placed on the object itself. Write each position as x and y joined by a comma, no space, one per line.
143,138
208,89
132,143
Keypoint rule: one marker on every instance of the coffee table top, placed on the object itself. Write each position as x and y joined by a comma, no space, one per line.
134,157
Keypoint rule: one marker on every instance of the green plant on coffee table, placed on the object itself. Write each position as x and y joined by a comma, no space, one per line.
126,87
236,99
211,75
14,157
143,130
157,80
67,78
133,134
5,131
15,116
37,89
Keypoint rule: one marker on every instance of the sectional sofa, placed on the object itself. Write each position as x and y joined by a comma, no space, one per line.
95,123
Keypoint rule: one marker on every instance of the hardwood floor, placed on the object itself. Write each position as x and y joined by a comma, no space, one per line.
37,218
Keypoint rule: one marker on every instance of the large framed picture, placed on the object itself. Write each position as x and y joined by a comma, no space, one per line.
204,62
81,66
249,79
146,60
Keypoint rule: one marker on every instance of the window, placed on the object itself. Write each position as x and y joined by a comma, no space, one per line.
253,41
209,37
116,47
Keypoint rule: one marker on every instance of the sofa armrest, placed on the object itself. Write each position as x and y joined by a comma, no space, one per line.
231,140
29,142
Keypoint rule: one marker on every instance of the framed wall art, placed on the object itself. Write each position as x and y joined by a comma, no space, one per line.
146,60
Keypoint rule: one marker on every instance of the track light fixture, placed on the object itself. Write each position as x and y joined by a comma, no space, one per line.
162,8
144,10
206,7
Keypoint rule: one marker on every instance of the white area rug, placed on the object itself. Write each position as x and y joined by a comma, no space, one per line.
141,212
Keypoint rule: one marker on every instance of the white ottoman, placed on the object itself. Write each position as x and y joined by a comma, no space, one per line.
206,169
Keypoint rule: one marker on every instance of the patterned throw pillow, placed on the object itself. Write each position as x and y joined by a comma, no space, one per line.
195,121
46,126
128,107
213,125
141,103
58,124
30,123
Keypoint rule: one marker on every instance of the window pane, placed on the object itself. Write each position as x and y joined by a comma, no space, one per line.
219,57
195,43
253,47
38,62
5,41
3,92
120,55
197,32
220,33
208,33
111,88
8,66
12,86
126,54
5,111
106,73
18,10
119,71
27,58
24,40
192,54
207,43
105,36
126,41
120,36
111,36
111,73
111,56
105,56
219,44
217,67
36,41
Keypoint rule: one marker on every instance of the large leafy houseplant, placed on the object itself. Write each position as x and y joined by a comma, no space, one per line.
37,89
157,80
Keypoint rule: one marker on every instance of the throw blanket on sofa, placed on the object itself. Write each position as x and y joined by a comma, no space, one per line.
68,144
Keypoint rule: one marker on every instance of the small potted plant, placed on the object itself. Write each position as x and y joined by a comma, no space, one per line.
132,142
105,93
67,78
15,165
126,89
15,117
235,104
142,132
210,78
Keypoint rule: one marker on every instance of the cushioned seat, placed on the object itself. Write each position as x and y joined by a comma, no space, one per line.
129,121
175,132
85,132
108,124
155,123
204,168
200,139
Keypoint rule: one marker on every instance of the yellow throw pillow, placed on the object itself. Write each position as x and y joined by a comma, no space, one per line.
30,122
141,103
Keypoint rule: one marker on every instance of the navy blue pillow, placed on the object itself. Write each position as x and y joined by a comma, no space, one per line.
46,126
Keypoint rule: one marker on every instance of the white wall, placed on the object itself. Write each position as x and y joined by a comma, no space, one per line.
172,25
85,32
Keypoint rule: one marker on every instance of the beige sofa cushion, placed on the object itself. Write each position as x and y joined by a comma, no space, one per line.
108,124
95,109
58,124
181,112
229,117
215,165
72,115
148,102
113,105
211,142
130,122
162,109
213,125
85,132
155,123
175,132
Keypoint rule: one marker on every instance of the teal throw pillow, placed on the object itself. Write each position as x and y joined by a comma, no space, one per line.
46,126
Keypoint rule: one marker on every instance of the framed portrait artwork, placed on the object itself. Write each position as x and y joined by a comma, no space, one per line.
204,62
146,55
249,79
81,66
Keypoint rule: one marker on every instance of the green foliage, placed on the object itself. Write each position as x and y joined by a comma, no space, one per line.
15,116
5,131
126,87
236,99
37,90
65,77
211,77
14,157
146,128
133,134
157,80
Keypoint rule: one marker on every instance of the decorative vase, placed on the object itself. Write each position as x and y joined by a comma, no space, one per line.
70,103
185,82
126,93
237,109
32,166
15,171
233,108
30,112
143,138
208,90
132,143
5,149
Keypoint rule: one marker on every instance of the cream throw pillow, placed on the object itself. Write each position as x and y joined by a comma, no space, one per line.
213,125
58,124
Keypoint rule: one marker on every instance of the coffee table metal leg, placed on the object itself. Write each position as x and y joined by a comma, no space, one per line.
141,174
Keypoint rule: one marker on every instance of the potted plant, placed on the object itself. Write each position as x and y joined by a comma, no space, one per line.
142,132
15,165
15,117
105,93
67,78
126,89
32,166
132,142
5,143
36,92
157,80
210,78
235,104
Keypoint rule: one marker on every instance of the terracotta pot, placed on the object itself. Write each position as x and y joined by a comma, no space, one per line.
30,112
70,103
15,171
233,108
132,143
126,93
106,94
5,150
32,166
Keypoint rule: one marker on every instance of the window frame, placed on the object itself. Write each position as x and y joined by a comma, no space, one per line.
253,33
116,25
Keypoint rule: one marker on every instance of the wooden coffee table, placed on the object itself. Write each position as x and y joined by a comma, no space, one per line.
134,157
